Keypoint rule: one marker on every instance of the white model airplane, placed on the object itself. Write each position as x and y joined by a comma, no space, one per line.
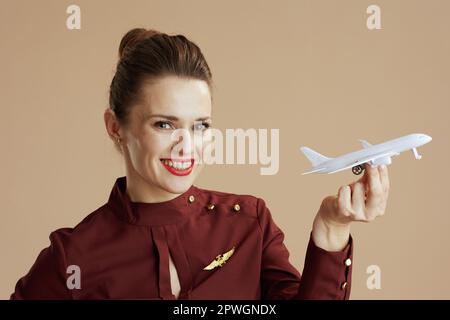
373,154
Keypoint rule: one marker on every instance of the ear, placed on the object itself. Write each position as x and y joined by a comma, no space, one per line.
112,124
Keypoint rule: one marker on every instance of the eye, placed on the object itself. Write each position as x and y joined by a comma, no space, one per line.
163,125
201,126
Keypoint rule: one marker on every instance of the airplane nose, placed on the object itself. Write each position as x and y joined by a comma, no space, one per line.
426,138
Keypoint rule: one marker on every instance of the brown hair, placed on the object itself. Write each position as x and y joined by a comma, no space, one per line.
149,54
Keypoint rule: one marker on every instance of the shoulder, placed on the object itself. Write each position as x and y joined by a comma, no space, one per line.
246,204
46,278
88,230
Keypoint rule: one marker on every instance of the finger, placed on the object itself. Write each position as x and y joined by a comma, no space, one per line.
364,179
344,200
373,177
384,177
358,200
375,188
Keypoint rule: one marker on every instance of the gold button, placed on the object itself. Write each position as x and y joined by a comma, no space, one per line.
191,199
237,207
348,262
210,206
344,285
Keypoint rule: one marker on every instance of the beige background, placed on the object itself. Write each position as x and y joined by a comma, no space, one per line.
310,68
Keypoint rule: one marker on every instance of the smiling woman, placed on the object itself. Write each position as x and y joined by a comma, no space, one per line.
147,136
159,236
171,89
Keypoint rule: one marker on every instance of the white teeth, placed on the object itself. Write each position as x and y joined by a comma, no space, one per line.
177,165
186,165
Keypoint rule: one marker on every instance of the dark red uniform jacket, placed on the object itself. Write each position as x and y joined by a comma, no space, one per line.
122,251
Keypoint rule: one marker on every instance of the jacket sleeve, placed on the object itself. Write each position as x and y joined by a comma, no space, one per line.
326,275
47,277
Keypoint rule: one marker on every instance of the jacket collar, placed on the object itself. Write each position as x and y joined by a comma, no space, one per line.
151,214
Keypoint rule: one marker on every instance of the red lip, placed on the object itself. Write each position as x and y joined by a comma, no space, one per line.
177,172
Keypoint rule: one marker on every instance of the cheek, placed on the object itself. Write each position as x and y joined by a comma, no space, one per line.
155,146
198,147
204,144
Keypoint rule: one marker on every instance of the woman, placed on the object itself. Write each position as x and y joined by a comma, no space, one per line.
161,237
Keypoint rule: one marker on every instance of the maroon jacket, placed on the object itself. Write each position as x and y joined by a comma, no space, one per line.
122,251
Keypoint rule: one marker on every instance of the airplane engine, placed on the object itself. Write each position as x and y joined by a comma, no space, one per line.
380,161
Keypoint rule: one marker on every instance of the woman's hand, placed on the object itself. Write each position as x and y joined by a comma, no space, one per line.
363,200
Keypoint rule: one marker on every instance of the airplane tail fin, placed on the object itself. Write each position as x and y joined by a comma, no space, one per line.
313,156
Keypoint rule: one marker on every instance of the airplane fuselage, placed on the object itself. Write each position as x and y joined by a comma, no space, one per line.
391,147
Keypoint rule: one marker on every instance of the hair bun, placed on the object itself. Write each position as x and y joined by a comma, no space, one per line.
132,38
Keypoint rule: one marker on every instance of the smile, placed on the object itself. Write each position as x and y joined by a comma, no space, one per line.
178,167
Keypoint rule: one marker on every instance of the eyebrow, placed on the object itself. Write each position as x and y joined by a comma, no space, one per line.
169,117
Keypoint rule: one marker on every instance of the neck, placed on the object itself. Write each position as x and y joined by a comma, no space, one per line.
140,190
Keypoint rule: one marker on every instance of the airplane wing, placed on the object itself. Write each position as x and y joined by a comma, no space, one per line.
366,159
364,143
313,171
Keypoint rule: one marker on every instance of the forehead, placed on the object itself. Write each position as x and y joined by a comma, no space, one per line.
183,98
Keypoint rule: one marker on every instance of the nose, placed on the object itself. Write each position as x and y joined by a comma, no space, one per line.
184,145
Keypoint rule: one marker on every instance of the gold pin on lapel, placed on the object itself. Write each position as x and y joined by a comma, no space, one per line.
220,260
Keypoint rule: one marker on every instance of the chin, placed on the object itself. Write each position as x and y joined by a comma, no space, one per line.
177,188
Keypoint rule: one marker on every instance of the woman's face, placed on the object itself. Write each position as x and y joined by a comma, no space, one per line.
159,158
